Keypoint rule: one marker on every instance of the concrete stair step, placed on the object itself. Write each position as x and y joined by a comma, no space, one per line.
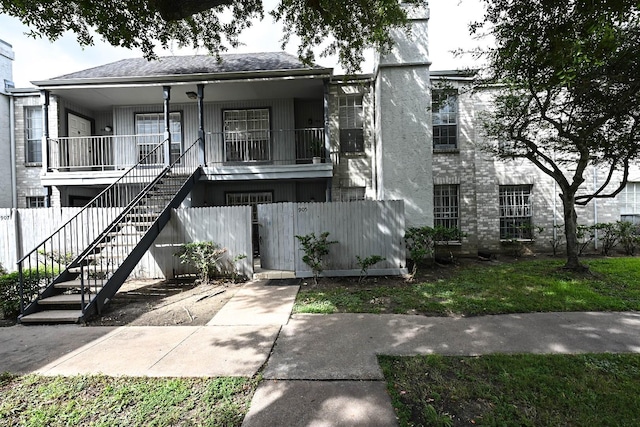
66,299
93,269
89,285
53,316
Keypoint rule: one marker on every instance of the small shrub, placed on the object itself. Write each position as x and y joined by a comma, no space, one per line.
315,249
585,234
58,257
203,256
526,234
365,263
34,281
421,242
609,237
234,268
629,235
557,240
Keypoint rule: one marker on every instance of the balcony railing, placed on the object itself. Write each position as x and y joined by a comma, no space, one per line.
119,152
104,153
278,147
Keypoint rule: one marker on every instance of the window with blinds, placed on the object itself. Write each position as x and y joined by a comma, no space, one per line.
351,122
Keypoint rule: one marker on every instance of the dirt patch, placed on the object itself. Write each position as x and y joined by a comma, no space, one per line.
165,303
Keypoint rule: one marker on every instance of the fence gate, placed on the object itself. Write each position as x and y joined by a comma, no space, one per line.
277,241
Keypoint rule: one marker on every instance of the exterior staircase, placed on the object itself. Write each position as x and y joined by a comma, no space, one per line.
74,273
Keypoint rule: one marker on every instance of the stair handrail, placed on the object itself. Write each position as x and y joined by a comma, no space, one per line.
190,166
65,251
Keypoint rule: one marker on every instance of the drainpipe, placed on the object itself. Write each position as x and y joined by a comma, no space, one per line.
327,136
201,148
12,138
166,97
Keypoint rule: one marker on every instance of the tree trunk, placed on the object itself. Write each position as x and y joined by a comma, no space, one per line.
570,231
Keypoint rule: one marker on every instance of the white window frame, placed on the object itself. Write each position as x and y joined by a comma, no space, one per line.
252,199
150,132
36,202
516,213
33,129
247,135
446,205
444,114
629,202
351,123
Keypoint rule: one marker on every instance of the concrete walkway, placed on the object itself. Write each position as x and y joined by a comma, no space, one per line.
319,370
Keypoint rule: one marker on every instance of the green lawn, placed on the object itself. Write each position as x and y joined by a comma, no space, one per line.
515,390
527,286
34,400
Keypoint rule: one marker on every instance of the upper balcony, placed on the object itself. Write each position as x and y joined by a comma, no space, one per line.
230,155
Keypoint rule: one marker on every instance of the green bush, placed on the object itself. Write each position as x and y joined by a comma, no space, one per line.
365,263
629,235
34,281
315,249
421,242
203,256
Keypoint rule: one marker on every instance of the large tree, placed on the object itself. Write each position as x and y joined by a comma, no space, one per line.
344,27
567,76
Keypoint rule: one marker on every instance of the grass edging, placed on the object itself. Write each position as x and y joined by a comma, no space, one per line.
492,288
515,390
36,400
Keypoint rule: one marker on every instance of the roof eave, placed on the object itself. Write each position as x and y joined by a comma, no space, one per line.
187,78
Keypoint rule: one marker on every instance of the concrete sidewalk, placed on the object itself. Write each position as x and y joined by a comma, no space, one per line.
320,370
324,371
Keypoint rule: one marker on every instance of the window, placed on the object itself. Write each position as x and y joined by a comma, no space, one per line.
629,202
351,121
444,110
35,202
348,194
515,212
446,206
251,199
152,125
33,129
247,135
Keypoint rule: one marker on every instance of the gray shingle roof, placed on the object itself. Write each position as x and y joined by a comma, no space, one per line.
195,64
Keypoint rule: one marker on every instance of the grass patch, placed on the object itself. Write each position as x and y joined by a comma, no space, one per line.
528,286
35,400
515,390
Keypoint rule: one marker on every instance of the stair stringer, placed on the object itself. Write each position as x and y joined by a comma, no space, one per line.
113,284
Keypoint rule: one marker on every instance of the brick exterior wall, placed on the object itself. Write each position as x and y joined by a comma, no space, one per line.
28,174
479,176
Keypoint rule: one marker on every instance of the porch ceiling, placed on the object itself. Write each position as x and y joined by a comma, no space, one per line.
100,97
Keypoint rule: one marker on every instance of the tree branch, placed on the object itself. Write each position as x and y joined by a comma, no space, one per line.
175,10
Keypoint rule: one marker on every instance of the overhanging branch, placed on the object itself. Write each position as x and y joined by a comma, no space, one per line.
174,10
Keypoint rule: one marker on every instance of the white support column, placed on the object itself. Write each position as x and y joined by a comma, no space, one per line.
166,97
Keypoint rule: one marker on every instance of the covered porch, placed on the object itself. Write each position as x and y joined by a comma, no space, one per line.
245,125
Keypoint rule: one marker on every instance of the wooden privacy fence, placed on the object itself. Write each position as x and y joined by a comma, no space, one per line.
361,228
23,229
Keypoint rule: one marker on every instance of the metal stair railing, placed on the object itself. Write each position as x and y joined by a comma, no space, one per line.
124,242
50,261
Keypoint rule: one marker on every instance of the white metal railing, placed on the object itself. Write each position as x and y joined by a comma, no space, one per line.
292,146
102,153
119,152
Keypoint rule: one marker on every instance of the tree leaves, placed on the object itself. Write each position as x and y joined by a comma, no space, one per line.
342,27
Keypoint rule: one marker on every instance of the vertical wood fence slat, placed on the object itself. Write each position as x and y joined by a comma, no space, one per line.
228,226
362,228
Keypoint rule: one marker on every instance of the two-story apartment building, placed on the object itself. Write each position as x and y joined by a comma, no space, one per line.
269,128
